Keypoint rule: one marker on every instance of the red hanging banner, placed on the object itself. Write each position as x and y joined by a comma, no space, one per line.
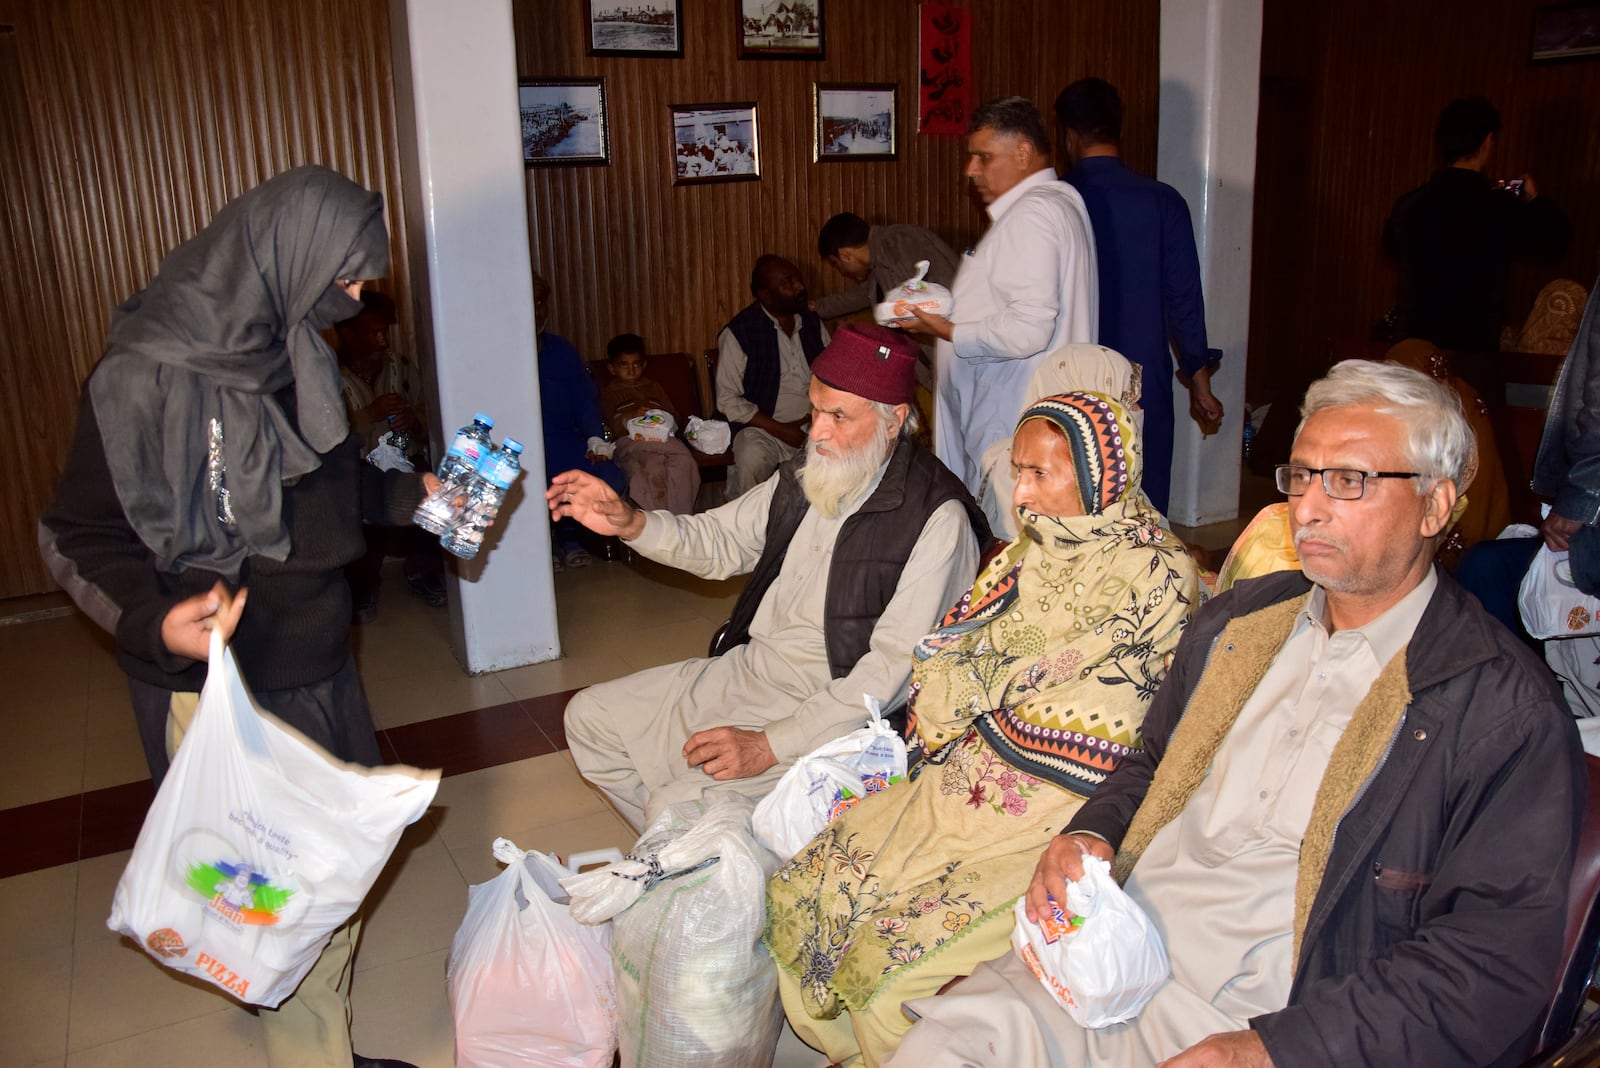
944,98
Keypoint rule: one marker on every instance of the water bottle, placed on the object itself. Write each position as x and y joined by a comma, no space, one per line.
485,493
437,513
398,438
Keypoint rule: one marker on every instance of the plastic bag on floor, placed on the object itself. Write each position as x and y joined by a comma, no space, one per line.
695,986
1105,964
827,781
529,985
257,846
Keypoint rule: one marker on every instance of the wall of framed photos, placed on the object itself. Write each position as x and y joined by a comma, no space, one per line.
626,249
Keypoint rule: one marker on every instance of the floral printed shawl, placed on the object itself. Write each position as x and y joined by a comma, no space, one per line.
1024,698
1050,655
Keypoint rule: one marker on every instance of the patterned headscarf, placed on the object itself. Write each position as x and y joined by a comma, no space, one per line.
1099,458
1054,654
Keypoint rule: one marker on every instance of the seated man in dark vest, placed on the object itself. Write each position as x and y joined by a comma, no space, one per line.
764,369
853,551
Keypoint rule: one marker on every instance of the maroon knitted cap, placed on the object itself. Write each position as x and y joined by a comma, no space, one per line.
870,361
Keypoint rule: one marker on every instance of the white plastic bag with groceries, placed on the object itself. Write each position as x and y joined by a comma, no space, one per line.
1550,602
1104,964
827,781
529,985
710,436
654,425
258,846
695,986
914,293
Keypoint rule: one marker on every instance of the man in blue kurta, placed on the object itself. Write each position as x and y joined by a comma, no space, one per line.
1150,298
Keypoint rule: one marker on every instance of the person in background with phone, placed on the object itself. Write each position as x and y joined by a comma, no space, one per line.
1455,239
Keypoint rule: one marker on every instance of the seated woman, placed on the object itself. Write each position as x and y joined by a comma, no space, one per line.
1022,702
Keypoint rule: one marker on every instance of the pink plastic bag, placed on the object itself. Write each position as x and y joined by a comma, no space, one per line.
529,985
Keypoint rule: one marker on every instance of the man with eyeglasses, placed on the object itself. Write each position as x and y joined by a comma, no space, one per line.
1353,817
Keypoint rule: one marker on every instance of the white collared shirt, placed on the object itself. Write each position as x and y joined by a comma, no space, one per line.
1027,289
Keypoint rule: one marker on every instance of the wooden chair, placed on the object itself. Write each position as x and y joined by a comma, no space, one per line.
685,381
1558,1042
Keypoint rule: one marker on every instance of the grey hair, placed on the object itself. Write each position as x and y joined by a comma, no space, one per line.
1014,115
1439,443
885,414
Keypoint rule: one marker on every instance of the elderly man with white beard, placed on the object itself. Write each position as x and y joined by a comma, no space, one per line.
853,549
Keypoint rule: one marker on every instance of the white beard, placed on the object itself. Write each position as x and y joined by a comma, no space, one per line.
830,482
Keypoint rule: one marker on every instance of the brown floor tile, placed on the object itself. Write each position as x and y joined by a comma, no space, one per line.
112,817
469,741
41,835
548,712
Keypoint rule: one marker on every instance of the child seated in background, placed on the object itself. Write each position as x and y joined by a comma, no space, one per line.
661,474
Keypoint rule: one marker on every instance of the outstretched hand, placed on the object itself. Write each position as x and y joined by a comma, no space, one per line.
594,504
729,752
186,630
1061,863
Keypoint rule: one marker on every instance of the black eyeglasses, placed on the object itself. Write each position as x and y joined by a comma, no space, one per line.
1340,483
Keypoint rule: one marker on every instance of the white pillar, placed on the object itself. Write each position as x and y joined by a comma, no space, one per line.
1210,87
466,218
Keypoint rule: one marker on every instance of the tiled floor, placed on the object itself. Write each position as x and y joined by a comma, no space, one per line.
73,789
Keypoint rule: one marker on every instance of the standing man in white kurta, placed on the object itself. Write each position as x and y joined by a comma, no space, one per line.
1029,288
854,549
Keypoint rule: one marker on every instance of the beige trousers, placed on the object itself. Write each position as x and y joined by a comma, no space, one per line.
756,455
311,1028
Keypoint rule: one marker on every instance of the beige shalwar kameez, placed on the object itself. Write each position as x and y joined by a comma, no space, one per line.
627,736
1218,881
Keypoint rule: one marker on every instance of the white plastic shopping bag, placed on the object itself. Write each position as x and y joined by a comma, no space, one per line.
827,781
258,846
1551,604
529,985
914,293
654,425
1105,964
695,986
710,436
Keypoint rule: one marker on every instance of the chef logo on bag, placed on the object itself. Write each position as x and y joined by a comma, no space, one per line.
237,895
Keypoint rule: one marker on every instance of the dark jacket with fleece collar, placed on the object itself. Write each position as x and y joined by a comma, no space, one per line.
1432,932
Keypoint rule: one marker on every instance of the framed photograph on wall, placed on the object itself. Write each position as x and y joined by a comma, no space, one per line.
1565,31
714,143
636,28
854,122
779,29
564,121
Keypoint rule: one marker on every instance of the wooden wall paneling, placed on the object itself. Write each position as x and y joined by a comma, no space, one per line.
145,119
38,388
1366,81
626,250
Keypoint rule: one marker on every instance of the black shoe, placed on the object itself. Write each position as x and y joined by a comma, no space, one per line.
365,609
380,1062
428,587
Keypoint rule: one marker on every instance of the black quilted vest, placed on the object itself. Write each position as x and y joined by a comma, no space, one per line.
756,335
868,555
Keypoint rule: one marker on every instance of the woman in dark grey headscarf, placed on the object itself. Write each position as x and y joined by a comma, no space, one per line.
212,451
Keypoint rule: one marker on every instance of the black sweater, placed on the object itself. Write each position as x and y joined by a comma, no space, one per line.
295,629
1455,239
